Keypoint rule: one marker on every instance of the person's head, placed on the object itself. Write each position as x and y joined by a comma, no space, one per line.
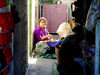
77,29
42,22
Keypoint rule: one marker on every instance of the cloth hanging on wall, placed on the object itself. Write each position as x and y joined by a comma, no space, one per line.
92,16
55,15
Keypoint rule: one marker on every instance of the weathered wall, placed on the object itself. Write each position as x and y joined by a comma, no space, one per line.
20,39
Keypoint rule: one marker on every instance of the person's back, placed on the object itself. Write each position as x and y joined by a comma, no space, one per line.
67,47
69,50
70,45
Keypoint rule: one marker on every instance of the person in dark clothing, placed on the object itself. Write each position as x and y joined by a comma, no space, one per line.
70,45
69,50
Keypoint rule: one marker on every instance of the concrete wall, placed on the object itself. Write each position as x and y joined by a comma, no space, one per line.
20,39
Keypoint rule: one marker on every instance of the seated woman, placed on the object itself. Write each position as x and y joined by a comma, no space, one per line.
41,33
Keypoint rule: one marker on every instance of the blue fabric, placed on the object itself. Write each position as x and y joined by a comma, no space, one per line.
53,44
46,55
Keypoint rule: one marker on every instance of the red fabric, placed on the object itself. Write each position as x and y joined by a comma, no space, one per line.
8,26
1,35
5,25
5,3
11,20
9,36
7,70
1,40
2,1
4,28
8,58
8,54
3,22
1,4
6,20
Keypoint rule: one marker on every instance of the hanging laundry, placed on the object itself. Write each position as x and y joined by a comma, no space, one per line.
4,3
8,54
8,58
6,23
55,15
92,16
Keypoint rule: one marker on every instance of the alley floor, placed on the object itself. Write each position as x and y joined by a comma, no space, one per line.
41,66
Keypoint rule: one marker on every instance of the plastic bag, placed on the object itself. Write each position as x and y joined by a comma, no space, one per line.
64,29
54,69
41,48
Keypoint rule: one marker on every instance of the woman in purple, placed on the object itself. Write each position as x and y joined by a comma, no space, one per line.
41,33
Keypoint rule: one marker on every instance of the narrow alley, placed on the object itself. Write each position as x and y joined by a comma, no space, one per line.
70,30
41,66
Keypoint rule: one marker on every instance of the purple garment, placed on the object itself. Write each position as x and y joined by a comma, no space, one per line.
38,33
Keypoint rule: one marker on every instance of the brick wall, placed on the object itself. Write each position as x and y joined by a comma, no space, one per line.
20,39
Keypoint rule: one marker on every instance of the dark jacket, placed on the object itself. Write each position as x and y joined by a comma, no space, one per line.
70,47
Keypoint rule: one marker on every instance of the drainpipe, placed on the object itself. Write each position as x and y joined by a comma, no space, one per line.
97,47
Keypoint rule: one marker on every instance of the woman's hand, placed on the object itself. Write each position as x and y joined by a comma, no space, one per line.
49,36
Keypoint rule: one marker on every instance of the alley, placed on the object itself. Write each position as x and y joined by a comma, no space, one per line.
41,67
20,18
